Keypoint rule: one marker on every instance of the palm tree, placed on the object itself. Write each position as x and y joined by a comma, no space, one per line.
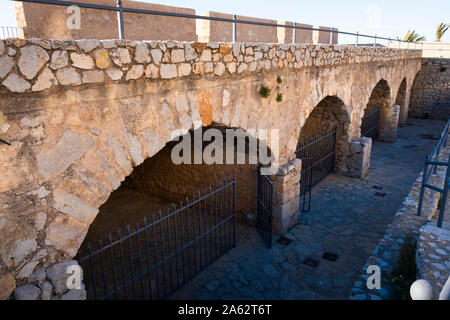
412,36
441,29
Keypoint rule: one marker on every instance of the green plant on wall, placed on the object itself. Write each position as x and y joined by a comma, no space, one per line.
405,272
264,92
279,97
279,80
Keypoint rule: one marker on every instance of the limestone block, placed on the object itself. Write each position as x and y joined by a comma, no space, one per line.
6,64
16,83
28,292
102,59
31,60
68,77
152,71
93,76
156,55
88,45
168,71
45,81
73,206
114,74
177,56
184,69
142,53
60,59
136,72
82,61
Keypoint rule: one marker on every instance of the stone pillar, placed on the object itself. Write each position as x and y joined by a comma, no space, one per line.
358,159
389,123
286,195
404,111
53,283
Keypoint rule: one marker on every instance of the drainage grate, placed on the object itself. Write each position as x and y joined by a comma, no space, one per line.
284,241
330,256
380,194
378,188
313,263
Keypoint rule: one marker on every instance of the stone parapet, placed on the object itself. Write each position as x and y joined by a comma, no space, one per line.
358,159
286,193
36,64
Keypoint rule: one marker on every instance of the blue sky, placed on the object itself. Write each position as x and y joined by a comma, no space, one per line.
386,18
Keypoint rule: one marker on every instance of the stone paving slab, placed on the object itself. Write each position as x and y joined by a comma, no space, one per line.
347,219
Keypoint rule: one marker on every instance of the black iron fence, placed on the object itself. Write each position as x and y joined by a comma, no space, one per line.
265,209
431,164
370,126
158,257
121,10
317,162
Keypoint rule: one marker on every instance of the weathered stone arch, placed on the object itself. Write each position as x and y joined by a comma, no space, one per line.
329,113
401,101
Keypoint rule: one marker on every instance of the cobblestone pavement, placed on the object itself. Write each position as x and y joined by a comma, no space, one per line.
348,218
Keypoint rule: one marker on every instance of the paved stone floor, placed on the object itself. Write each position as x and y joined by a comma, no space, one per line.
347,219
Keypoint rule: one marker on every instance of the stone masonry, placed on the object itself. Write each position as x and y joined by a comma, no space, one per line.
430,92
81,114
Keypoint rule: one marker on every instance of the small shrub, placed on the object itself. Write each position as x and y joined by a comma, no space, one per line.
279,97
405,272
279,80
443,69
264,92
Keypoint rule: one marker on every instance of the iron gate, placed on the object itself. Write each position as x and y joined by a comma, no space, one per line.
157,258
317,162
370,124
265,209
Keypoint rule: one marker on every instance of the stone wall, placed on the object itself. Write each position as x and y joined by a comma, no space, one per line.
81,114
430,92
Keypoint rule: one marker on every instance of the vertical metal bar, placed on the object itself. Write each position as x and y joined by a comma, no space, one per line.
183,249
130,254
141,275
194,238
200,227
176,244
91,264
155,257
102,263
444,195
234,211
234,28
205,230
210,231
120,20
357,38
375,41
189,238
147,251
294,33
422,188
161,238
124,280
169,245
112,265
215,218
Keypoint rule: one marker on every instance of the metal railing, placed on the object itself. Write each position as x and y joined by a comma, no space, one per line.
159,257
317,162
431,164
370,124
264,217
121,10
9,32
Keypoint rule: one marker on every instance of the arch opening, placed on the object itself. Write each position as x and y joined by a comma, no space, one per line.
400,100
375,115
175,218
323,142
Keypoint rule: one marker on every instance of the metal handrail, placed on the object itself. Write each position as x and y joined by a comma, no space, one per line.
120,10
432,162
